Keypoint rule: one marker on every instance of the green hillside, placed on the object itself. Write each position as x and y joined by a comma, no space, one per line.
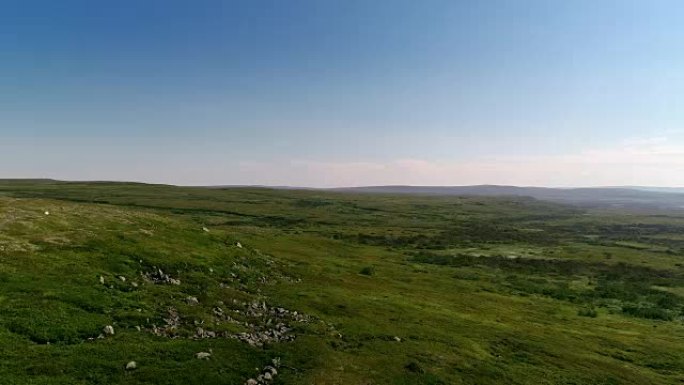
331,288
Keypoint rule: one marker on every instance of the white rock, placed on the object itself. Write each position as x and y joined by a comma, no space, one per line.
203,355
268,376
47,213
239,245
397,339
192,300
102,281
108,330
251,381
206,230
131,365
122,278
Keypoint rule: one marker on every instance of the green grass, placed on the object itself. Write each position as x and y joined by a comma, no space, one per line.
400,289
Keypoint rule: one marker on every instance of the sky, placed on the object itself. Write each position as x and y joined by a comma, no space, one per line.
326,93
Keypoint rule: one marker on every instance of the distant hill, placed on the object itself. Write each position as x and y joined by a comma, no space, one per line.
647,198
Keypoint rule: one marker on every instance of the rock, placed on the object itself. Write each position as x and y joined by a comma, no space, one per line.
268,376
122,278
239,245
102,280
134,284
192,301
276,362
251,381
47,213
397,339
108,330
203,355
206,230
138,328
131,365
271,369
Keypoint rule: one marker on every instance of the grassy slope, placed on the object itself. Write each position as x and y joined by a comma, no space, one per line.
460,319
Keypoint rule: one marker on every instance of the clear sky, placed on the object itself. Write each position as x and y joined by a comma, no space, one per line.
341,93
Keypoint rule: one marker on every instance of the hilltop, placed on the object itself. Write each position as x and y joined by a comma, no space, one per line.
224,285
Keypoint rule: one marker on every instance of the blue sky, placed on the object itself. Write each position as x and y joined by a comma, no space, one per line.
332,93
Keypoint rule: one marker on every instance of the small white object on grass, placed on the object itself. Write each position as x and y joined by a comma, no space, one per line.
131,365
47,212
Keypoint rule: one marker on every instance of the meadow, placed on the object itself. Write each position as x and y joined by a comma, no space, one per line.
332,288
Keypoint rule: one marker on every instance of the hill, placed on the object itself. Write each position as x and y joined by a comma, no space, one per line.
223,285
640,198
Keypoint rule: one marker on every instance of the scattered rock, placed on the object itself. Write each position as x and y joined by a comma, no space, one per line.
192,301
157,276
108,330
203,355
238,245
131,365
122,278
47,213
397,339
266,375
102,280
206,230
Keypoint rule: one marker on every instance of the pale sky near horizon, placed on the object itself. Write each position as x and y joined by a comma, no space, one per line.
344,93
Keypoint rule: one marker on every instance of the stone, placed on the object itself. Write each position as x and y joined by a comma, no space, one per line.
108,330
206,230
397,339
239,245
202,355
102,280
131,365
251,381
192,301
122,278
271,369
268,376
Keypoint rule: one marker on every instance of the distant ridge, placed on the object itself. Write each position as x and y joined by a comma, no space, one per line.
617,197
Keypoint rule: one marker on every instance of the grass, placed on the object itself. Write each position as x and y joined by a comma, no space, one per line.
399,289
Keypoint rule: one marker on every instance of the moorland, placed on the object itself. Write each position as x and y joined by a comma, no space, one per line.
124,283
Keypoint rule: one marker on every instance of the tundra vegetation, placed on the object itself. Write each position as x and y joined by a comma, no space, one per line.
118,283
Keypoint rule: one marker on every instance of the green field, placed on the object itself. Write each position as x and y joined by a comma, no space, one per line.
386,289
